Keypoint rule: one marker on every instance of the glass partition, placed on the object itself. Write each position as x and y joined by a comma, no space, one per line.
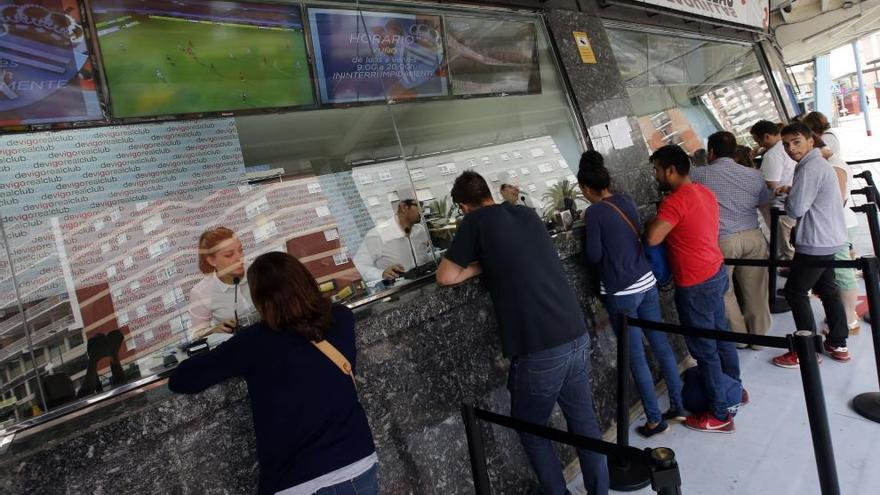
684,89
102,224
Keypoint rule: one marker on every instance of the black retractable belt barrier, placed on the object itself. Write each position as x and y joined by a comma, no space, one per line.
805,344
868,404
870,211
625,476
776,303
869,192
665,477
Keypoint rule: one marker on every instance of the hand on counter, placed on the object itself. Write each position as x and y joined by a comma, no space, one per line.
393,272
226,327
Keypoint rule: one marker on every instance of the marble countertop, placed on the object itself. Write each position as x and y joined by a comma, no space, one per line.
415,304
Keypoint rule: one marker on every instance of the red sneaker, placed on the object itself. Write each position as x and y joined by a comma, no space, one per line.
790,360
787,360
708,423
837,353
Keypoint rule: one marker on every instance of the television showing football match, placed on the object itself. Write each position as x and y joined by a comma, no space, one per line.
46,74
165,57
491,56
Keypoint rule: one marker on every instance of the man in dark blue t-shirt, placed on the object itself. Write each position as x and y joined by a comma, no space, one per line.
540,322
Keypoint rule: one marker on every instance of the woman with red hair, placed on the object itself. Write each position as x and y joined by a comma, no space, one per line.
214,304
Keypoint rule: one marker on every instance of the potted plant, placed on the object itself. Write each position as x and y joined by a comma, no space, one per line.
556,196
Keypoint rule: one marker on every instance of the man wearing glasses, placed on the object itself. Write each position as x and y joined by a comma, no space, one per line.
394,246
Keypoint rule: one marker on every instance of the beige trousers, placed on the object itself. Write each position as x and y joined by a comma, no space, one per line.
751,314
786,243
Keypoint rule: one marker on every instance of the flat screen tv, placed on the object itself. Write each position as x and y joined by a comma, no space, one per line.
363,56
195,56
489,56
46,75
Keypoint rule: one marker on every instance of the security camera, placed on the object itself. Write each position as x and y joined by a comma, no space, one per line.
787,6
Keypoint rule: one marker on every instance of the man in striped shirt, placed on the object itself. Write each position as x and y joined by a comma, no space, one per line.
740,192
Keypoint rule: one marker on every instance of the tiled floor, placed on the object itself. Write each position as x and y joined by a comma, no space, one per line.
771,451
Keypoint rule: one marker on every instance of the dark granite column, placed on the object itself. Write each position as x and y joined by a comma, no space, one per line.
600,95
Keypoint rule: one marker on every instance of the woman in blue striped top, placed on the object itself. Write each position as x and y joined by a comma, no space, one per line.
628,286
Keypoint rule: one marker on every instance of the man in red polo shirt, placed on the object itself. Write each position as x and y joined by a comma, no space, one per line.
688,221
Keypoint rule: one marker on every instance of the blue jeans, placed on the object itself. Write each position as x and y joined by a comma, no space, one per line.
364,484
646,305
537,382
702,306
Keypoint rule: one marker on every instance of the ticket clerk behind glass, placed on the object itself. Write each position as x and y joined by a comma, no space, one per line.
215,308
394,246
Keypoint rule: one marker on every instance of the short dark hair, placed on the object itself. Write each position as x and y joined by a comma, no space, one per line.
470,188
723,144
287,296
764,127
672,155
744,157
797,128
592,172
504,186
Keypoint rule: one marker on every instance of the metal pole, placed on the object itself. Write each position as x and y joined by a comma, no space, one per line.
476,449
623,382
868,404
625,476
776,304
863,100
870,211
665,477
805,344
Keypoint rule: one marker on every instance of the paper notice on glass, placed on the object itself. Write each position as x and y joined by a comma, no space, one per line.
620,133
600,136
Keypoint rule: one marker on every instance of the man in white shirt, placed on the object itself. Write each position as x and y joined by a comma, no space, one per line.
394,246
778,170
513,195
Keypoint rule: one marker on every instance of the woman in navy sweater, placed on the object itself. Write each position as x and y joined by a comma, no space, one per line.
628,285
312,433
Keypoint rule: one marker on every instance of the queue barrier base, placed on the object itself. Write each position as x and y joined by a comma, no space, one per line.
624,476
868,405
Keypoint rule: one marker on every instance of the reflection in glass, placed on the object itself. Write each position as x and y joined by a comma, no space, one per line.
105,235
685,89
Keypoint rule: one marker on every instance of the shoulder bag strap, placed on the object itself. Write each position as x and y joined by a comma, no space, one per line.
624,217
338,359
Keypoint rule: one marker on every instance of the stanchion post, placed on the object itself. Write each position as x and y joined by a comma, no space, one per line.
665,478
476,449
870,211
805,343
868,404
624,476
776,304
623,382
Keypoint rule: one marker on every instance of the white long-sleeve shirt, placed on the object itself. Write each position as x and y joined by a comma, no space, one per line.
212,301
386,244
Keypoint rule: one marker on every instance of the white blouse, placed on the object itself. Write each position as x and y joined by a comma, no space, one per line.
212,302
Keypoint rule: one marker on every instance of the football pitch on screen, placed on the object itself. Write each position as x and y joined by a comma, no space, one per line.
159,66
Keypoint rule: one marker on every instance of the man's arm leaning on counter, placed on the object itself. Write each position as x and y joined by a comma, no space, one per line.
449,273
